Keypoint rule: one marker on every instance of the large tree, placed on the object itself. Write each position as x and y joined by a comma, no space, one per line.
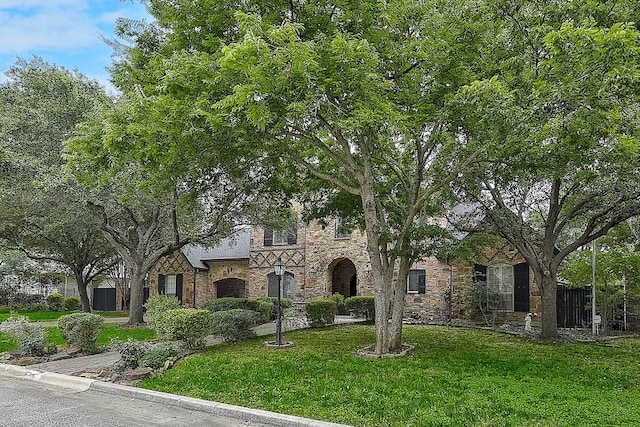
43,215
348,93
559,109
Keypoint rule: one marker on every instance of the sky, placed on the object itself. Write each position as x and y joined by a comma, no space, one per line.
66,33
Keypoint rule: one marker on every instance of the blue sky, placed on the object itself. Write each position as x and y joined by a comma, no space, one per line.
63,32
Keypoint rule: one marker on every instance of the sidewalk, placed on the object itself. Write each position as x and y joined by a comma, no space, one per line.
57,374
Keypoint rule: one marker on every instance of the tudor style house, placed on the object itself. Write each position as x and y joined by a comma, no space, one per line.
322,260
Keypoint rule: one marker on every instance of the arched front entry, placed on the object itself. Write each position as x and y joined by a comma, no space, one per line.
344,280
236,288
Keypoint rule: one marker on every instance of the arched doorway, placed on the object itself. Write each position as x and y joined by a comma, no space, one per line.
236,288
344,280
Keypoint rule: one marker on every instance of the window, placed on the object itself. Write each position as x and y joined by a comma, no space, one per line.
500,278
170,285
342,231
417,282
288,285
280,238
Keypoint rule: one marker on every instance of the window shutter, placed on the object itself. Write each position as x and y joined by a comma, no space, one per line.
179,287
521,287
479,273
268,237
161,289
422,282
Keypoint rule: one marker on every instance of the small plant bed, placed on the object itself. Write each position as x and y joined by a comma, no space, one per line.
454,377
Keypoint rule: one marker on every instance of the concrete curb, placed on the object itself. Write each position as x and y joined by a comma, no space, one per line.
48,378
217,408
83,384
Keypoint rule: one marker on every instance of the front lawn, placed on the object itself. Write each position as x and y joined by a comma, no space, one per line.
455,377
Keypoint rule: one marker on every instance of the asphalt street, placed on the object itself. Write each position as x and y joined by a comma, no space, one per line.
25,403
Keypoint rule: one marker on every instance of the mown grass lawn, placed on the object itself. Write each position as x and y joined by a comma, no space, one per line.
107,333
455,377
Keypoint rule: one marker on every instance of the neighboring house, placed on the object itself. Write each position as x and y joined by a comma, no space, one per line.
322,260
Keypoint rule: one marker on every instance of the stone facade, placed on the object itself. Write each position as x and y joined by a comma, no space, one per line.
321,262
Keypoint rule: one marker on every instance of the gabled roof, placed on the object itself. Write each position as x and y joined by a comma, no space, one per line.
234,247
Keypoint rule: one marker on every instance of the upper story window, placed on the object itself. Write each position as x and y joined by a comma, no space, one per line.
277,238
342,230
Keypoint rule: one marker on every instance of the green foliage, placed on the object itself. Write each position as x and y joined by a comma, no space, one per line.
339,300
81,329
30,337
188,325
131,351
479,301
157,354
268,306
361,306
71,303
321,312
55,302
234,325
157,305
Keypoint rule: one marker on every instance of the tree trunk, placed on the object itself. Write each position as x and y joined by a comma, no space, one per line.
136,301
82,291
548,289
397,313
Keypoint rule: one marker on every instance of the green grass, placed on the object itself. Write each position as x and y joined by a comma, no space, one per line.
48,316
108,332
455,377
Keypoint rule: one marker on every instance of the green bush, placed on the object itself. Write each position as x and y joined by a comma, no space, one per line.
157,355
321,312
339,300
55,302
188,325
273,301
30,337
362,306
71,303
234,325
81,329
479,301
264,306
157,305
224,304
131,351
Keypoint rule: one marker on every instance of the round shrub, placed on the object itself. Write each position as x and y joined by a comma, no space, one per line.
157,305
321,312
30,337
55,302
361,306
131,351
234,325
273,301
81,329
188,325
157,355
339,300
71,303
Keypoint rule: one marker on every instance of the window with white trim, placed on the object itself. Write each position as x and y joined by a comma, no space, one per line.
500,279
417,282
170,288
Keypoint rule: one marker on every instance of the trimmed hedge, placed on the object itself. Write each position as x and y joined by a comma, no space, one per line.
55,302
157,305
71,303
361,305
187,325
30,337
321,312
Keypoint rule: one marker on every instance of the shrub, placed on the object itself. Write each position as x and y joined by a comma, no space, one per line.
81,329
131,351
273,301
361,305
263,306
188,325
339,300
157,305
234,325
157,355
480,301
30,337
321,312
71,303
55,302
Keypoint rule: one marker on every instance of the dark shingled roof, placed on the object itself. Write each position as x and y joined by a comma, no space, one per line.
234,247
